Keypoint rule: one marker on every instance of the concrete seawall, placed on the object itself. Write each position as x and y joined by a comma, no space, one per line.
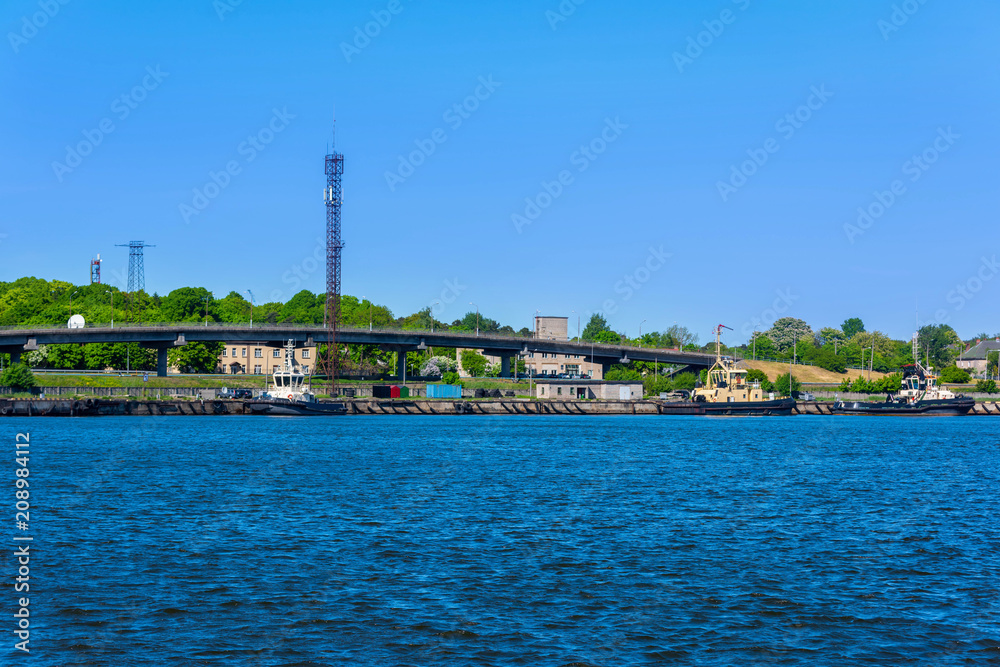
97,407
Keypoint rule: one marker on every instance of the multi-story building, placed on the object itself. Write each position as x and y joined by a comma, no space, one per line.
260,359
974,359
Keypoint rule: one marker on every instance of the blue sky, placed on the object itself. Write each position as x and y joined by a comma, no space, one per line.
643,125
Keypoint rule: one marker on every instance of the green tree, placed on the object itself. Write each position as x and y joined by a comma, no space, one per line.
682,335
653,385
781,385
607,337
19,378
936,341
763,347
474,363
196,357
618,373
595,325
450,377
829,335
786,331
852,326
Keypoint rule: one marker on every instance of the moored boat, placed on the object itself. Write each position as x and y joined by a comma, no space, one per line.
290,393
919,395
727,392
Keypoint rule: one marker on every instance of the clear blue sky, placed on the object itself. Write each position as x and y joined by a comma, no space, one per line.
678,127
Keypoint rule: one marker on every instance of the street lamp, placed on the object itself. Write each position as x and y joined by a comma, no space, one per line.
477,317
206,299
577,325
71,302
250,294
369,311
755,344
112,307
640,331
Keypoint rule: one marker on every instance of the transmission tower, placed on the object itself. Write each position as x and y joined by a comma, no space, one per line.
136,276
332,196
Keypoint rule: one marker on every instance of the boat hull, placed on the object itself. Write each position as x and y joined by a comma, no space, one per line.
282,407
945,407
776,408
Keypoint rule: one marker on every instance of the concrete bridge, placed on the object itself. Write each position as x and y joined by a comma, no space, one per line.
163,337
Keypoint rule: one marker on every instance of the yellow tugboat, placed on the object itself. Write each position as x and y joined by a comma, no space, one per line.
728,392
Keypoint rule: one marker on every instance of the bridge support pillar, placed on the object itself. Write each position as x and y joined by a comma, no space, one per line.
161,362
504,366
14,351
401,365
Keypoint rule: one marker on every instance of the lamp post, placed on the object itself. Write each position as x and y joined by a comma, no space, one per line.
640,332
112,307
206,299
250,294
71,302
755,344
477,317
577,325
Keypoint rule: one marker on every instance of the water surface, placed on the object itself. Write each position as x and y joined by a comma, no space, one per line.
513,541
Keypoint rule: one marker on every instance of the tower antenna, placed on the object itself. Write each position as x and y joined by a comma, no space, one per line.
333,198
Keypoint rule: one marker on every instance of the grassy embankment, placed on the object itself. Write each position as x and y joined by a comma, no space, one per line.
810,374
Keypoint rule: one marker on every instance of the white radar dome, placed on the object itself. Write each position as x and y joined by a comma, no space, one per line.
76,322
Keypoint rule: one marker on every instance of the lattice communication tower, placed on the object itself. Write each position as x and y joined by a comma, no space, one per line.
333,198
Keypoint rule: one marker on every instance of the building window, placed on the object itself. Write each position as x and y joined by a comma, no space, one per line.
224,350
559,391
234,352
256,369
244,353
305,354
258,353
305,369
275,353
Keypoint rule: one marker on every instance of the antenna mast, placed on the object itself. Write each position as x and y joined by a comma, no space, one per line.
333,198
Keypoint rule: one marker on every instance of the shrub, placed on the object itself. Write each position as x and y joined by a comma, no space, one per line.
655,384
450,377
987,386
623,374
954,374
684,381
18,377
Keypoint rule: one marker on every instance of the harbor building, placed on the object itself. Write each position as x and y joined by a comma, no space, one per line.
574,390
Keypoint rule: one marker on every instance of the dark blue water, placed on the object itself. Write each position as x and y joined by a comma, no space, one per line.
511,541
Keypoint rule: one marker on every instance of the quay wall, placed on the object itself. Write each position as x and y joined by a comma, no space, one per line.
56,407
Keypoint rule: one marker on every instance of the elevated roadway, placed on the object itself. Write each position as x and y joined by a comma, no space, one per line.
163,337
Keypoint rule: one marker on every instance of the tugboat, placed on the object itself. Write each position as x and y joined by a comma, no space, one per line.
920,395
728,392
290,393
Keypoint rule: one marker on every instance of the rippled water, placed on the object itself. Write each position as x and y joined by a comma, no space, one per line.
513,541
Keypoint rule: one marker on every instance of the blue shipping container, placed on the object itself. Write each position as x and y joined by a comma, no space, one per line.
444,391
